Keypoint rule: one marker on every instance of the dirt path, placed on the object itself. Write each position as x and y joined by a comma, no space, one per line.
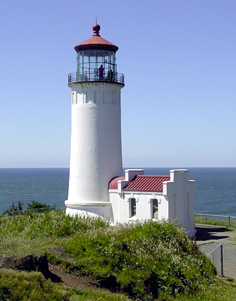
71,280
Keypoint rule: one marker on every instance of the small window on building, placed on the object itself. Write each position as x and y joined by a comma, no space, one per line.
132,204
154,208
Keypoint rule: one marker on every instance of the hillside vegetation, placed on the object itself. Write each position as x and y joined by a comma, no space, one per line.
150,261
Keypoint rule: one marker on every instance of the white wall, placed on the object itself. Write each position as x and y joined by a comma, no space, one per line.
95,156
121,205
116,204
179,193
176,203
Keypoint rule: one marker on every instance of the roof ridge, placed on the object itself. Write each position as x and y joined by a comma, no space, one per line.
153,176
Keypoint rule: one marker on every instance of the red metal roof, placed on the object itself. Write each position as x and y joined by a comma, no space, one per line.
114,182
147,183
96,42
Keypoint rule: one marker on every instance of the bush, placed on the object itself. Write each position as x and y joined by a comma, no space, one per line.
142,261
39,207
14,209
32,206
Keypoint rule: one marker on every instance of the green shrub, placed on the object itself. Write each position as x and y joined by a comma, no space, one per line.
14,209
141,260
39,207
32,206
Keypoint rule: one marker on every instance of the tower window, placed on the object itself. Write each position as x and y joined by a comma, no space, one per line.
132,205
154,208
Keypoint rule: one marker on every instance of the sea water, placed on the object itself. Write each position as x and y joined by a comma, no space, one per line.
215,187
45,185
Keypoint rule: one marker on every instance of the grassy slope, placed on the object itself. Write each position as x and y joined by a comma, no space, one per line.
35,233
22,286
211,221
150,261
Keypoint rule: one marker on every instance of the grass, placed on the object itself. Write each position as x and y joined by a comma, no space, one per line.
150,261
216,222
35,233
219,291
22,286
29,286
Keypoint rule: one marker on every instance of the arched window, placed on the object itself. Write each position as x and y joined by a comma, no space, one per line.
154,208
132,207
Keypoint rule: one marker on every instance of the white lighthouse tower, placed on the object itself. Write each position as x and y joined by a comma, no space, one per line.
95,156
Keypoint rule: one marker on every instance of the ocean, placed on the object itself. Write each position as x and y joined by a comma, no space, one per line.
215,187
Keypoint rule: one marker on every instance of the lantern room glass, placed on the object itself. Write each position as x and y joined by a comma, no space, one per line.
96,64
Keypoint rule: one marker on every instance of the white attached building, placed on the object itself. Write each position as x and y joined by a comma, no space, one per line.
96,185
139,197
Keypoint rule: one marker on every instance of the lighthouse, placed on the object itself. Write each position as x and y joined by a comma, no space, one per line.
97,187
95,154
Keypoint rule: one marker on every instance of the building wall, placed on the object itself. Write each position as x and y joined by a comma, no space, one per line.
121,205
116,204
179,193
175,203
95,156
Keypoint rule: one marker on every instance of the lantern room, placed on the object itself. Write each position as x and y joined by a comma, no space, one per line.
96,61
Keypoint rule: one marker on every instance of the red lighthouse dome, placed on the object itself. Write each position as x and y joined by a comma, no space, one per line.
96,42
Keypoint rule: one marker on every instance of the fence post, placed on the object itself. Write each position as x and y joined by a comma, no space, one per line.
221,260
229,221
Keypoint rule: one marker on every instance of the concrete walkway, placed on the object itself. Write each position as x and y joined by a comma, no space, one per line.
209,239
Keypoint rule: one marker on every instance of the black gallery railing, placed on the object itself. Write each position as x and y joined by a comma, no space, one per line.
109,77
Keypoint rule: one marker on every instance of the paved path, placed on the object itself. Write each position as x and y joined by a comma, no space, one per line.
209,238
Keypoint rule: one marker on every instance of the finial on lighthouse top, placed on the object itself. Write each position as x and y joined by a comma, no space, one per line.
96,41
96,28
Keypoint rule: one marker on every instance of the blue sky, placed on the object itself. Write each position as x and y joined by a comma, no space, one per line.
178,57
